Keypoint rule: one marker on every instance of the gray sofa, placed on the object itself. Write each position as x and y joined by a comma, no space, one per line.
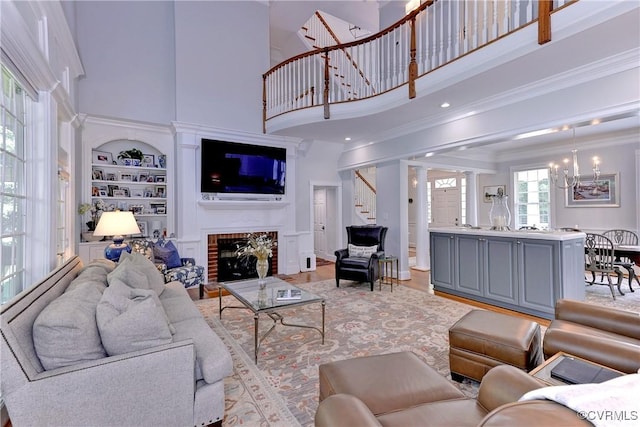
174,378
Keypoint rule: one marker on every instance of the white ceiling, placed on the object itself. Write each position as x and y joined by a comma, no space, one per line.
476,90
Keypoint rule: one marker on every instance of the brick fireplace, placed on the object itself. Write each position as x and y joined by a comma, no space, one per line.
213,250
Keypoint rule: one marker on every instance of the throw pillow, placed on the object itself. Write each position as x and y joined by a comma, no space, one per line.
132,266
129,320
65,331
362,251
165,251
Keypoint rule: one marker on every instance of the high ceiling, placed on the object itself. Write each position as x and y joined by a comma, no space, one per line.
475,91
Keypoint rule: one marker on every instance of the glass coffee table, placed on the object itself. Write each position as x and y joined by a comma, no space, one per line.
264,300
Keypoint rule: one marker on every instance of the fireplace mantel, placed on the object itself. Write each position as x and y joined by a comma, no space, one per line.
241,204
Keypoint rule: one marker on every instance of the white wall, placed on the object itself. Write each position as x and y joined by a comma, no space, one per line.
222,50
128,55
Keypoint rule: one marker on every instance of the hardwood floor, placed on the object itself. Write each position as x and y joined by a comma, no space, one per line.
419,281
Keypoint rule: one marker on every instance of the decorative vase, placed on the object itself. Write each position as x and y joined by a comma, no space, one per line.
499,215
262,266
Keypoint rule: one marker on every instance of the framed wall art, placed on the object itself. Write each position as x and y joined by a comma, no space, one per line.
603,193
491,191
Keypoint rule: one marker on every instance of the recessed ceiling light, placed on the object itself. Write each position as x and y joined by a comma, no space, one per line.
445,105
348,138
428,154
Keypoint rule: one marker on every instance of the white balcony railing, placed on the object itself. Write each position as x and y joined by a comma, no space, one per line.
435,34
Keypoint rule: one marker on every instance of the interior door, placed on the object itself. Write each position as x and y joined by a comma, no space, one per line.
445,207
319,221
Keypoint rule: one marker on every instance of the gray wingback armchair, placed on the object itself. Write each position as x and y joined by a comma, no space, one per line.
359,261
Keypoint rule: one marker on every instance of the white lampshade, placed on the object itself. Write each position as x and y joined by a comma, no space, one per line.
116,223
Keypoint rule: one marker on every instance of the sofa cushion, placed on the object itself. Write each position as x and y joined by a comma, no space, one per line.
362,251
130,319
139,272
65,331
213,361
166,252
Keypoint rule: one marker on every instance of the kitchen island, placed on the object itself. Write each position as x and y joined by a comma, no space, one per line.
524,271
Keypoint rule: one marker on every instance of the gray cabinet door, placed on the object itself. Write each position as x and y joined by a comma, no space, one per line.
442,260
539,274
501,270
470,266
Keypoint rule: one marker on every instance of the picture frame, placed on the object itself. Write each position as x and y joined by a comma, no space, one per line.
110,176
142,177
143,226
149,160
604,193
137,192
491,191
97,174
95,191
148,192
137,209
103,193
118,193
161,210
160,178
125,191
111,189
161,192
102,157
125,176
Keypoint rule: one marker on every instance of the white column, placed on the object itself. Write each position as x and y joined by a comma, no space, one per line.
422,225
472,198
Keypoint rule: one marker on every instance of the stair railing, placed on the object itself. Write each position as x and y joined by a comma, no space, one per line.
365,197
434,34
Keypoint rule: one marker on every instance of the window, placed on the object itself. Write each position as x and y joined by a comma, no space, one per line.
445,183
428,202
463,200
13,190
532,198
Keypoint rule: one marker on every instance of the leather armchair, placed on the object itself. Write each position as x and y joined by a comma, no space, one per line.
361,268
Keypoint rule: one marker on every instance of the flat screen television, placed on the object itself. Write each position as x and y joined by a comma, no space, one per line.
236,168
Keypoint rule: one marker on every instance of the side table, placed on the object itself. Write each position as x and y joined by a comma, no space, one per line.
386,265
543,372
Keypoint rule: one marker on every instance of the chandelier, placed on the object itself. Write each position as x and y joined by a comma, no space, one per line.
562,179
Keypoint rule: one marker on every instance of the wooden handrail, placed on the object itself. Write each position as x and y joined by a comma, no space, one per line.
367,183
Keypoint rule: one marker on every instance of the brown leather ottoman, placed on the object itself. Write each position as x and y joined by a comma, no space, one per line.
483,339
387,382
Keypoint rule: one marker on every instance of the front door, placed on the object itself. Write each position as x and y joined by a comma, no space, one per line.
445,207
319,221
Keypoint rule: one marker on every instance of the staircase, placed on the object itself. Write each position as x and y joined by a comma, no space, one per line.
365,198
322,30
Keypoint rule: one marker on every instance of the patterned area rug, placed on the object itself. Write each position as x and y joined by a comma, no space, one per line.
358,323
282,389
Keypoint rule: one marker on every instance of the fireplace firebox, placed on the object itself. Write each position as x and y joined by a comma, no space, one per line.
223,264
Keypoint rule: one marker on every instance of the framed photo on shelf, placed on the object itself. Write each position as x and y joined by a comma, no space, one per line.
137,209
103,193
149,160
161,210
603,193
142,177
118,193
137,192
491,191
142,225
148,192
126,177
111,189
101,157
110,176
98,174
95,191
123,206
160,178
161,192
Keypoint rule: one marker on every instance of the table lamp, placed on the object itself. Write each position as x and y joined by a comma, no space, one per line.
116,224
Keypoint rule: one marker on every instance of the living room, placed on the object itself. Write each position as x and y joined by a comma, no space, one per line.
168,74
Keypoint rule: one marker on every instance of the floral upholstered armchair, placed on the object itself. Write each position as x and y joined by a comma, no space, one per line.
165,256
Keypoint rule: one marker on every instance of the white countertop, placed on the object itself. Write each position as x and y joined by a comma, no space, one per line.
523,234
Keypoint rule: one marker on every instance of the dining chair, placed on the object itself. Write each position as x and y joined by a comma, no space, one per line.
624,237
599,258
